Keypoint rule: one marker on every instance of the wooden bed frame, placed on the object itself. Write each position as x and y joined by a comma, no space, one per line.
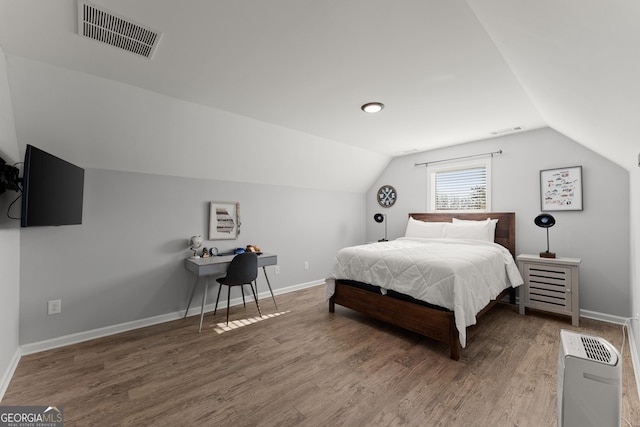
436,323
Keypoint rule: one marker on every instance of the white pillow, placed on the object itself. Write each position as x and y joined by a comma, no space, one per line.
463,230
492,228
430,230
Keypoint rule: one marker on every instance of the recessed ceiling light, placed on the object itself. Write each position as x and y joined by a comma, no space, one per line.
372,107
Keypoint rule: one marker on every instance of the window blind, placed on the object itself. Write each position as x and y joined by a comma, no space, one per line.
464,189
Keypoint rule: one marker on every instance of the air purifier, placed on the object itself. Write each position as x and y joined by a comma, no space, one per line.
589,381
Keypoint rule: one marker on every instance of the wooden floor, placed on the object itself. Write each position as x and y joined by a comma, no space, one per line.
308,367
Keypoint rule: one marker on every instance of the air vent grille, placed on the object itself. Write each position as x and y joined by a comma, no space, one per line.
107,27
508,130
595,350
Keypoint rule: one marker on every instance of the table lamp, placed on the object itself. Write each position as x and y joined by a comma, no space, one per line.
546,221
381,218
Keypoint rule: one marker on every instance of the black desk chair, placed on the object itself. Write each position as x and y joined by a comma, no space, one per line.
243,270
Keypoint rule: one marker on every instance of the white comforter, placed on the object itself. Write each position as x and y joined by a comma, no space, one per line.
461,275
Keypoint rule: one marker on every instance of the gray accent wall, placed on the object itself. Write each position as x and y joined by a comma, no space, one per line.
599,234
126,261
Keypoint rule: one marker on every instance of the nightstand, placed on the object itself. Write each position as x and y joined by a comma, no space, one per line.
550,284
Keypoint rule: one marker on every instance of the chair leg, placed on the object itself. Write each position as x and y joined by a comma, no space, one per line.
228,302
255,297
216,308
242,290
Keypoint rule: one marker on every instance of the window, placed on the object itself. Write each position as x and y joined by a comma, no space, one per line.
460,186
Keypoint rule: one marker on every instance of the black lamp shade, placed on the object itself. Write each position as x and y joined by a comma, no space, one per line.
545,221
378,217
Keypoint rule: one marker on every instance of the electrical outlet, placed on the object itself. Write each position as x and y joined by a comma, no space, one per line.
306,265
54,306
277,269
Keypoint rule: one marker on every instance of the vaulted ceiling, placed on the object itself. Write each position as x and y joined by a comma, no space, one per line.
448,72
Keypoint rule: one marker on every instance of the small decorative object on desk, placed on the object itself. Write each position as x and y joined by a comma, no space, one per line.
205,253
253,248
195,242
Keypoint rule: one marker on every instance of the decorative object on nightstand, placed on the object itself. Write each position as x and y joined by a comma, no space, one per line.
546,221
381,218
195,242
387,196
550,284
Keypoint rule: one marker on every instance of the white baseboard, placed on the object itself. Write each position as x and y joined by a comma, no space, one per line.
633,350
65,340
603,317
8,374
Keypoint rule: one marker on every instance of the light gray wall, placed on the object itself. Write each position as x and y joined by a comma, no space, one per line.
126,261
9,240
635,250
599,235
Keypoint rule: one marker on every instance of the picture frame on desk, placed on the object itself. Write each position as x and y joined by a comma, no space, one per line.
224,220
561,189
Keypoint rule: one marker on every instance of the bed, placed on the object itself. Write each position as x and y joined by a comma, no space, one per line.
466,292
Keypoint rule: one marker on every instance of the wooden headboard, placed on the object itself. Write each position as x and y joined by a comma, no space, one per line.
505,228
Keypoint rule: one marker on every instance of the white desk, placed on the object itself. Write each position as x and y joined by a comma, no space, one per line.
217,266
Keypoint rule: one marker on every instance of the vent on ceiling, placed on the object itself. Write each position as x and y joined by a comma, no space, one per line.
508,130
107,27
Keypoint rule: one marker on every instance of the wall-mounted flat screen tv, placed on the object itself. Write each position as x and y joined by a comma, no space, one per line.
52,190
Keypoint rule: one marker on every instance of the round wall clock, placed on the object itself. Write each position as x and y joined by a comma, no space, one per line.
387,196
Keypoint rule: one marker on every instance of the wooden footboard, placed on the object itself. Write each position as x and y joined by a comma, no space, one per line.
430,322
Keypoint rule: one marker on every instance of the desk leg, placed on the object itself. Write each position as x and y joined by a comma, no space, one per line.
204,298
264,269
193,291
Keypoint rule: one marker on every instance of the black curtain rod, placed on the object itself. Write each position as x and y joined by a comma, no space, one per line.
459,158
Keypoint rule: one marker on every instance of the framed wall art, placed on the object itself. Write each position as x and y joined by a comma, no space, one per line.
561,189
224,220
